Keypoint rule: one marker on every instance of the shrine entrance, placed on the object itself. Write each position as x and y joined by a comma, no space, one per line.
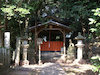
52,40
52,45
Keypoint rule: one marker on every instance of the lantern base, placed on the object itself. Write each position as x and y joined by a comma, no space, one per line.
24,62
81,61
40,62
63,58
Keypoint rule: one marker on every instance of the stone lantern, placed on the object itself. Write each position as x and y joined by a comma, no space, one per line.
80,46
25,46
39,42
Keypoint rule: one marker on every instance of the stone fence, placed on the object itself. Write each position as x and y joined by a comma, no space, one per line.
4,57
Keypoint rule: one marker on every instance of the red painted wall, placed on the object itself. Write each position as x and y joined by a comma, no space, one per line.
51,46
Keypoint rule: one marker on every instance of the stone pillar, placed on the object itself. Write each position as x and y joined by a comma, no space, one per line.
63,57
39,42
7,46
17,58
25,46
13,56
80,46
7,40
40,62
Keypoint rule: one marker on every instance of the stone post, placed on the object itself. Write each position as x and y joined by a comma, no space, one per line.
63,57
40,62
7,46
25,46
7,40
39,42
13,56
17,58
80,46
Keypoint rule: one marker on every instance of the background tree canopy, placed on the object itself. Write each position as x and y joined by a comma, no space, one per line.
76,14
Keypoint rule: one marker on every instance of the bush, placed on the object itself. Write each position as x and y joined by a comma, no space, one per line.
95,60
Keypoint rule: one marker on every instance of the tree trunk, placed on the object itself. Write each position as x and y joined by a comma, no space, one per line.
6,23
36,49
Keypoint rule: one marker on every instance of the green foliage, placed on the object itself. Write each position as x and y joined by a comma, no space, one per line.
77,12
93,29
95,60
22,11
95,21
8,10
96,12
13,11
92,21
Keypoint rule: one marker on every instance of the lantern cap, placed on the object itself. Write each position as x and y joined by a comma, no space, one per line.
79,37
25,37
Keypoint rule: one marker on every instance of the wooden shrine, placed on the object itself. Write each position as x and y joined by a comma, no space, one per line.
55,28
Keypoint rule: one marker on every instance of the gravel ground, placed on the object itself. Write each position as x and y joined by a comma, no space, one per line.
44,69
52,69
48,68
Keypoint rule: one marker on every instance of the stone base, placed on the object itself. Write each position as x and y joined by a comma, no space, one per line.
16,63
68,61
82,61
63,58
40,62
24,62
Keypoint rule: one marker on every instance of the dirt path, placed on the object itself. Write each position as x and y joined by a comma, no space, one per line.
52,69
45,69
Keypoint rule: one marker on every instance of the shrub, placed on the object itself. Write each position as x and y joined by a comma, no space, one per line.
95,60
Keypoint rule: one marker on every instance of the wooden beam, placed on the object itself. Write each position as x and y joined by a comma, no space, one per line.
50,29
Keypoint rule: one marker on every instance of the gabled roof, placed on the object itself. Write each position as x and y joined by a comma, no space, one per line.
50,22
